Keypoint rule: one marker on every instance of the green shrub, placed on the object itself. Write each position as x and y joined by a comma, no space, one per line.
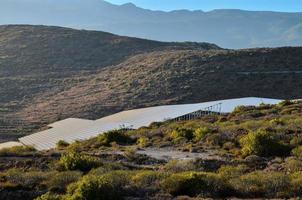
230,172
17,150
293,165
107,167
8,186
229,146
76,161
285,103
117,136
156,124
195,184
62,144
179,166
297,152
145,179
240,109
92,188
276,122
49,196
262,184
182,133
108,186
296,141
75,146
26,179
296,183
215,139
143,142
262,143
59,181
120,179
130,154
200,133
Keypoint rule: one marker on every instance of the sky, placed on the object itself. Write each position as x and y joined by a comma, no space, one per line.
207,5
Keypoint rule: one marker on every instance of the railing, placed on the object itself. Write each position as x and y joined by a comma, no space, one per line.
214,109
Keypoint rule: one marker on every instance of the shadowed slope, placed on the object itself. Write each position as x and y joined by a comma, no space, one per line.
176,77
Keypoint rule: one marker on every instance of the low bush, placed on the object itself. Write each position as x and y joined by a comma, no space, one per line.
59,181
297,152
76,146
229,146
120,179
156,124
49,196
179,166
143,142
107,167
262,143
108,186
296,183
200,133
285,103
276,122
26,179
146,179
262,184
215,139
230,172
17,150
240,109
195,184
62,144
8,186
76,161
296,141
293,165
178,133
117,136
91,188
130,154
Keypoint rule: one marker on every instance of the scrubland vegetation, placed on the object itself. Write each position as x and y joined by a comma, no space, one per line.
258,155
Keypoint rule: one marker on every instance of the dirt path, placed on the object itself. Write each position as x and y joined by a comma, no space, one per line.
170,154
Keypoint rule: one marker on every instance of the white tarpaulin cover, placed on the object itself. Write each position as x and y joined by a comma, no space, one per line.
71,130
10,144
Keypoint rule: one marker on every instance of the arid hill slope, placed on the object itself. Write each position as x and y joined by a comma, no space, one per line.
38,59
50,73
40,56
169,77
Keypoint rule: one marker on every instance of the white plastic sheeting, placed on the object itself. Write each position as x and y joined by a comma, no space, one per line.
10,144
70,122
62,130
71,130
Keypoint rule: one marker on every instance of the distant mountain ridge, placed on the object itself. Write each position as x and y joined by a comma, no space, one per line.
226,28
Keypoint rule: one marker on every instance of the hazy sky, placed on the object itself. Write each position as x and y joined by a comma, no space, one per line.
206,5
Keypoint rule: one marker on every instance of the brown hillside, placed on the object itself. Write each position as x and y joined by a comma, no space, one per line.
36,60
175,77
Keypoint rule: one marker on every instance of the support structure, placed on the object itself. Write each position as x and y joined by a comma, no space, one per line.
214,109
